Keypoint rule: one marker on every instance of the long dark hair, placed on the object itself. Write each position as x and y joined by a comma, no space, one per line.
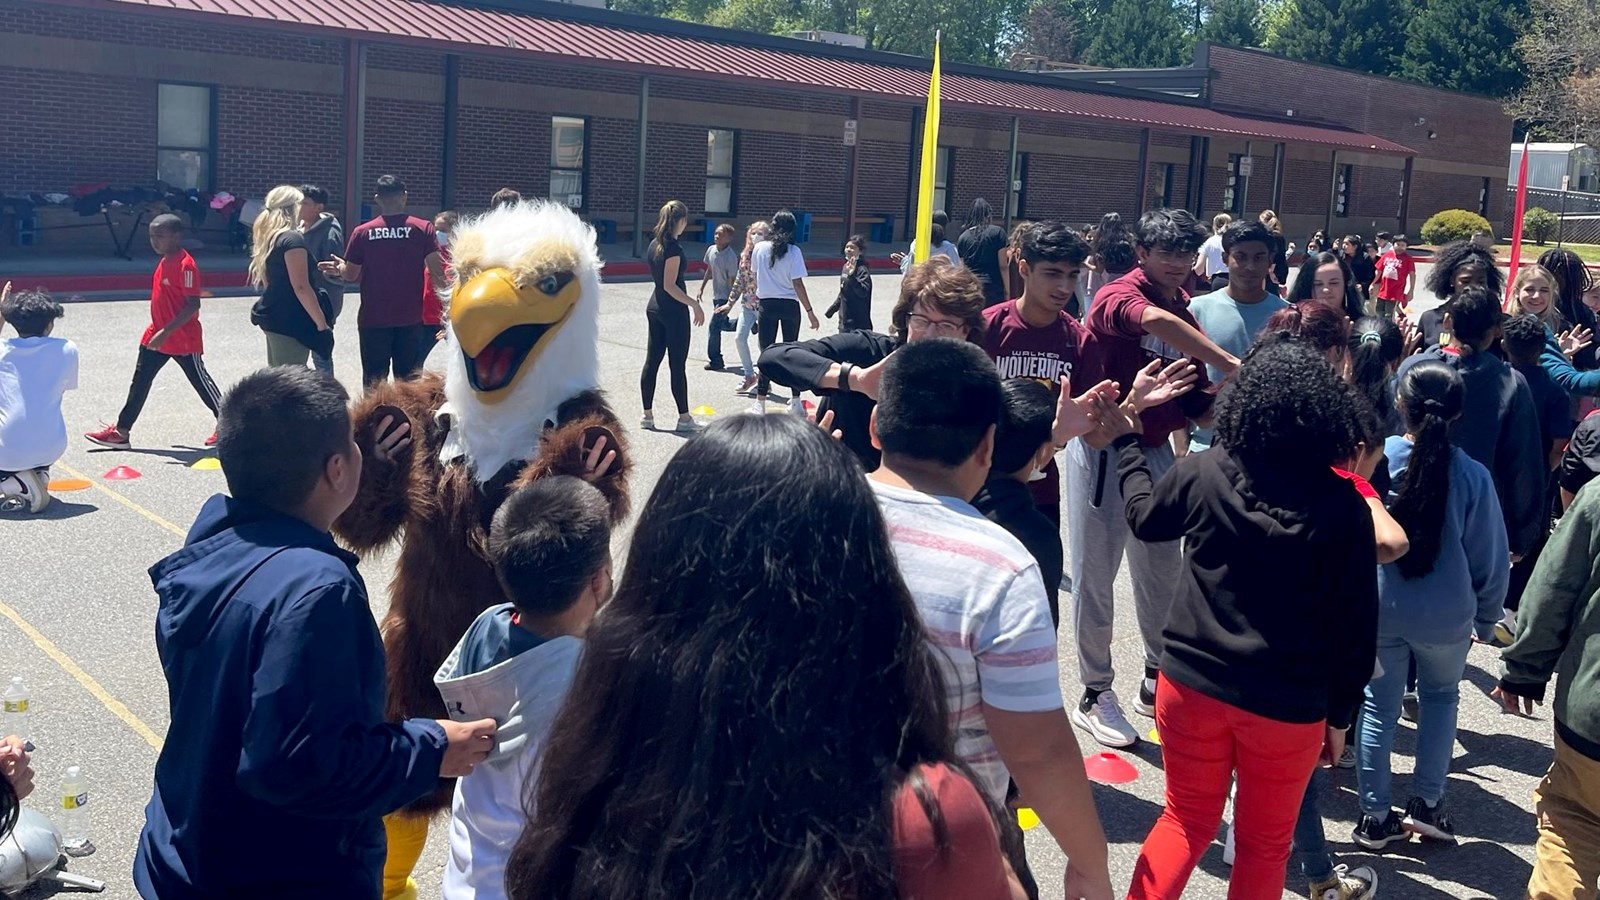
753,697
1305,282
1113,245
1572,279
1375,345
979,215
1430,399
783,228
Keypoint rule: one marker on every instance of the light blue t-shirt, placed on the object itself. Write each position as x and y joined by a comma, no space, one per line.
1233,327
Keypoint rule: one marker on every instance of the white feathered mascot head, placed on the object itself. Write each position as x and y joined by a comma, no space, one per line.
524,328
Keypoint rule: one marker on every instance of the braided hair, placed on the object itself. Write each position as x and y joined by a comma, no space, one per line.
1430,397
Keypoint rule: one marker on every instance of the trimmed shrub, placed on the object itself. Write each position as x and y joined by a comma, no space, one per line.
1453,225
1538,224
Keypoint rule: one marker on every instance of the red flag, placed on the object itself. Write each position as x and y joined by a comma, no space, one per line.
1516,221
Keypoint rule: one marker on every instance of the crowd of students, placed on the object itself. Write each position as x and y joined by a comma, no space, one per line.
839,681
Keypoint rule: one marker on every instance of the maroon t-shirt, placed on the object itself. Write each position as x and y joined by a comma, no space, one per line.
392,252
1116,323
1064,347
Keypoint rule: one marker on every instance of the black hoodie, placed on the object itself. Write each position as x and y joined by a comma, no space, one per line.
1277,611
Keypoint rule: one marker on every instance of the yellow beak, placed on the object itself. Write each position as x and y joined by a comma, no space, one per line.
501,327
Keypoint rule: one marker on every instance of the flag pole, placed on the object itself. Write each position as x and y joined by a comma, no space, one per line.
1516,220
923,243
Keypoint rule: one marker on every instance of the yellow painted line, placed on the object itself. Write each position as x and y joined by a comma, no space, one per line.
180,532
84,678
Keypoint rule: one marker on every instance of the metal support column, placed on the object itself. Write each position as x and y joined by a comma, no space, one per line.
355,130
1405,195
1244,181
1142,183
852,170
913,167
1278,153
638,168
1012,196
1333,195
447,160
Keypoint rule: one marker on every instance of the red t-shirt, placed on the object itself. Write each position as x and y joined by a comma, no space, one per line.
970,867
1064,347
392,252
1116,322
432,306
1393,270
177,279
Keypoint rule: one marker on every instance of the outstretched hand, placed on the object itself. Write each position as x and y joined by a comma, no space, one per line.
1154,385
826,424
1574,341
599,459
1076,416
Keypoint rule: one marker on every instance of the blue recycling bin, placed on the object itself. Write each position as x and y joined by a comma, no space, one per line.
802,227
883,232
605,231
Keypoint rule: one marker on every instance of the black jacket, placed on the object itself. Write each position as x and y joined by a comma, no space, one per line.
802,364
1275,565
854,303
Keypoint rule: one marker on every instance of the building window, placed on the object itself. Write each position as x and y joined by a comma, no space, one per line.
184,135
1165,173
722,151
1483,199
1232,197
568,146
943,159
1341,193
1019,187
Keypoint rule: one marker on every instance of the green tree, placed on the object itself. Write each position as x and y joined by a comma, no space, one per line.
1234,22
1138,34
1465,45
1051,30
1365,35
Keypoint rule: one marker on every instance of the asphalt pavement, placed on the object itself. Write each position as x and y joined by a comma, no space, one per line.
77,620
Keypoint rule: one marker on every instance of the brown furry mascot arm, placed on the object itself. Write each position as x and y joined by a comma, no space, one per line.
561,450
387,497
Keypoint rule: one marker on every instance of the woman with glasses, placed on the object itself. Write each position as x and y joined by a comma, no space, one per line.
936,300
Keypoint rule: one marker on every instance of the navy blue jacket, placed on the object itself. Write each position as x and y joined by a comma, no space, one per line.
278,765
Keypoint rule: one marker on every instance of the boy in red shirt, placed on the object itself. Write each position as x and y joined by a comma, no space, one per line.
1397,278
174,333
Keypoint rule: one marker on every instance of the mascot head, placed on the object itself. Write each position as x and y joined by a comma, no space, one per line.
524,328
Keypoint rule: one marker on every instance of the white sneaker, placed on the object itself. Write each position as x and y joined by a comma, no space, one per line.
1104,719
1505,630
758,407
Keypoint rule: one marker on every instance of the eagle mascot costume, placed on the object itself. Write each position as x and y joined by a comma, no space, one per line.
519,394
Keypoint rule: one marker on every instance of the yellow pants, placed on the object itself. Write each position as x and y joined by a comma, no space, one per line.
1566,863
407,836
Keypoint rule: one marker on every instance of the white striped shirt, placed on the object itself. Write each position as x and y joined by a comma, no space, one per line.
985,612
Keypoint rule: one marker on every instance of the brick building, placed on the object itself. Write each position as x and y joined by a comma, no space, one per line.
459,100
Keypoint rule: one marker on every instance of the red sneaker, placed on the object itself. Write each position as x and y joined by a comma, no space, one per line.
110,436
212,441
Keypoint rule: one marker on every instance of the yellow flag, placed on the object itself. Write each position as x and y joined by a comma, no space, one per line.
923,244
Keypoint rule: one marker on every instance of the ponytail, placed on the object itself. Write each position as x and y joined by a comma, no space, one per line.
783,228
1430,395
1375,346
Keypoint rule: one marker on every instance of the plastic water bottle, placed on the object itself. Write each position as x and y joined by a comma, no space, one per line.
16,709
75,813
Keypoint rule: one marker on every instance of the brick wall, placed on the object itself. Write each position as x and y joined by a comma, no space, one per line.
267,137
45,145
149,31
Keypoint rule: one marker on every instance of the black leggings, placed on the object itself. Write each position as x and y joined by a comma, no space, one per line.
776,311
144,374
669,337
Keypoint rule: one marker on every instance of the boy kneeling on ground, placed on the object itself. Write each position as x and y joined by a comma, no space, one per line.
550,546
35,371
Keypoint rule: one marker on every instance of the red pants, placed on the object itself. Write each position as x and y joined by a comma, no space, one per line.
1204,742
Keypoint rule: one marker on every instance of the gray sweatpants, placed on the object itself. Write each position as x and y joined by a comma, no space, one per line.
1097,533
